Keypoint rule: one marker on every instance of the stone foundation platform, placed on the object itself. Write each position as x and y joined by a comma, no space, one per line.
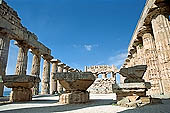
74,97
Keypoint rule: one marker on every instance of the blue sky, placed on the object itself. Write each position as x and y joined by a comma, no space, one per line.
79,32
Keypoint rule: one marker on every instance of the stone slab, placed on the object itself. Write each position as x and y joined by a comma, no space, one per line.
75,81
72,76
15,81
144,85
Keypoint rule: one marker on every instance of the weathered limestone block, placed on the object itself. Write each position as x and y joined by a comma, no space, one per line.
4,48
53,83
132,94
75,97
133,74
22,58
35,71
73,81
101,68
21,94
21,86
76,84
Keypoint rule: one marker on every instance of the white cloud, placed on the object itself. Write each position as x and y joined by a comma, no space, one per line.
118,60
88,47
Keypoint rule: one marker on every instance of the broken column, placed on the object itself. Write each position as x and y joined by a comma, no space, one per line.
132,93
4,48
60,70
53,83
46,75
35,71
20,83
76,84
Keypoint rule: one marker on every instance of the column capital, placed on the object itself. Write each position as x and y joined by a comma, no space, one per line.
157,9
61,65
66,67
144,29
35,51
22,44
70,69
55,61
47,57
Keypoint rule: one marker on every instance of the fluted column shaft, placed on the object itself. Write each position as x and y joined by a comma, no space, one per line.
46,77
161,31
151,57
21,66
60,87
4,49
35,71
53,84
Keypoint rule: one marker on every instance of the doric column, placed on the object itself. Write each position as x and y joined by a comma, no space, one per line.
4,48
46,75
60,70
113,76
85,69
104,75
150,57
21,66
161,30
35,71
70,70
53,83
66,68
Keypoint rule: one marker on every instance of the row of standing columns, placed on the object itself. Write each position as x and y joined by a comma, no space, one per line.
151,48
21,66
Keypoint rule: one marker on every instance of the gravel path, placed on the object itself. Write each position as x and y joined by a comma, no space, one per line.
101,103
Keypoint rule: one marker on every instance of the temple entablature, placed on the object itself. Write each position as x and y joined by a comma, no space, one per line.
102,69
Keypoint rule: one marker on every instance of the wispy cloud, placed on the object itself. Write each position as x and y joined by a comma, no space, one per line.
117,60
88,47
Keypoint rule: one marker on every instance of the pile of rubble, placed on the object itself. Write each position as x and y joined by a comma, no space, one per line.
102,86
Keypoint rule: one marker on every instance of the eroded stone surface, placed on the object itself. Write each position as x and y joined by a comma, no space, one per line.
75,80
102,86
133,74
76,84
75,97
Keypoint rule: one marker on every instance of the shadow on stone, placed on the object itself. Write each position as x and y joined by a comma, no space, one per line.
60,108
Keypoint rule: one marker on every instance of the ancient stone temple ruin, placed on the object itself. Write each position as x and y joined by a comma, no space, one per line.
102,85
145,71
22,84
150,46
